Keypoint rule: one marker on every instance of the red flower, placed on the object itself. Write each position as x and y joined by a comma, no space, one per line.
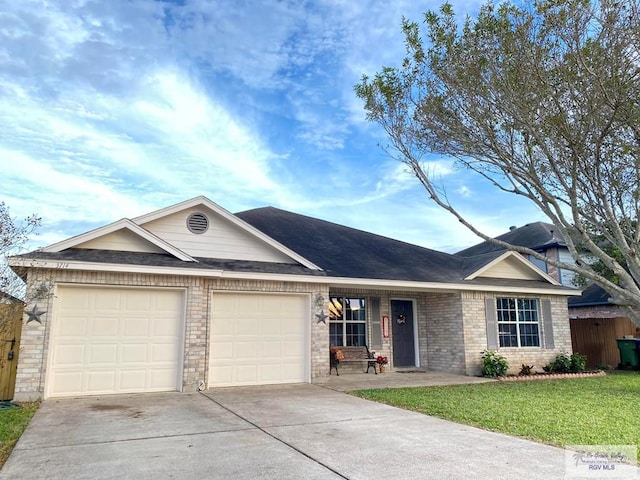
382,360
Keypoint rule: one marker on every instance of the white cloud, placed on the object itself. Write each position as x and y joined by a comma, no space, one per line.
464,191
111,109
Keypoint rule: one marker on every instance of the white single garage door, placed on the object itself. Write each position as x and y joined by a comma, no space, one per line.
115,340
258,339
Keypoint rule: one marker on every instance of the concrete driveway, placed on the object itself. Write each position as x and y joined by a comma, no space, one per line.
276,432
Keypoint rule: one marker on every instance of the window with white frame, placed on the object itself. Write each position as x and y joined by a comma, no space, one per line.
347,321
518,322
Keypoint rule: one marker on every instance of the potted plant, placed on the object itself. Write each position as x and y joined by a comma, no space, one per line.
381,360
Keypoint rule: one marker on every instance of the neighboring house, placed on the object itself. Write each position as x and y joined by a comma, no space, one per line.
595,323
192,296
595,326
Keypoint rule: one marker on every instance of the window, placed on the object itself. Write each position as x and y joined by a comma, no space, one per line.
347,321
518,322
538,263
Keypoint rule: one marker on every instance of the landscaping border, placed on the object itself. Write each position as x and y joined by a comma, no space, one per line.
550,376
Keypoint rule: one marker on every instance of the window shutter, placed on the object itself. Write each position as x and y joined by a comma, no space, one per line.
492,327
547,323
376,328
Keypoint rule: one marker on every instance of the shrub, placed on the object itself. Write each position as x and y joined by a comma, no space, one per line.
564,363
493,364
578,363
561,364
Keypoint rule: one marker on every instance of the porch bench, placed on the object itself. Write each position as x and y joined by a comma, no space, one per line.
352,355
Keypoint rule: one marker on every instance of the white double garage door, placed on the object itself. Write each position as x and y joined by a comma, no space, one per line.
128,340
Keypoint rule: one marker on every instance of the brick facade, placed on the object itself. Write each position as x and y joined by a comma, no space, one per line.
34,348
452,330
598,311
444,345
475,334
451,326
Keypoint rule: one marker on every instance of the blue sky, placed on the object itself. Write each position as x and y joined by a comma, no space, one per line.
112,109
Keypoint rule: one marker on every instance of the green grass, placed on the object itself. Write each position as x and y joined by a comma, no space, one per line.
12,424
577,411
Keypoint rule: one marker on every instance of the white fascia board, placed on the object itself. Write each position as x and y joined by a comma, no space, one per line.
374,283
364,283
125,224
519,258
250,229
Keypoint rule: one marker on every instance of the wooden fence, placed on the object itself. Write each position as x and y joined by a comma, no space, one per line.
10,329
596,338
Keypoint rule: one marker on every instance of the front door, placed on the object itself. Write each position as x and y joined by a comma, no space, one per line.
404,353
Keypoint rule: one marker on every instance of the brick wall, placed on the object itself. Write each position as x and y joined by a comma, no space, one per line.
445,333
452,329
451,326
475,332
597,311
552,271
34,348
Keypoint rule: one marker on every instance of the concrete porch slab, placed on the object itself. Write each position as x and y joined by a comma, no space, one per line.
347,382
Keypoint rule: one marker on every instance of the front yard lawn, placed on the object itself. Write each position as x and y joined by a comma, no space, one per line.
580,411
12,423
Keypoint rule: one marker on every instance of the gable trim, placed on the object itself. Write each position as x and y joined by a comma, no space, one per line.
123,224
518,258
251,230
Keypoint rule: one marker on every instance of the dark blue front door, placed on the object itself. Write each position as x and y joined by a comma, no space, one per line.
404,352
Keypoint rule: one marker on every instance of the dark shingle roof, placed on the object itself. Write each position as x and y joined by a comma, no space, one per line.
592,295
338,250
473,264
537,236
347,252
166,260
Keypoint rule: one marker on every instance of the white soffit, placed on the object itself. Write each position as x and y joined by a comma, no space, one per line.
127,224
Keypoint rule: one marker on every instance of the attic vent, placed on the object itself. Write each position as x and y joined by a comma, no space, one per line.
197,223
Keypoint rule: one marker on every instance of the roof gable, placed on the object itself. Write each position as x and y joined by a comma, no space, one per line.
508,265
124,240
227,236
124,233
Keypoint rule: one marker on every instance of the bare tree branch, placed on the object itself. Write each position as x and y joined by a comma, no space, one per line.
541,100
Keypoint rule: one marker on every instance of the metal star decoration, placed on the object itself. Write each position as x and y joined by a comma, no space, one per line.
34,314
322,317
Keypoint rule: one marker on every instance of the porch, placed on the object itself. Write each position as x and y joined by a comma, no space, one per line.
395,379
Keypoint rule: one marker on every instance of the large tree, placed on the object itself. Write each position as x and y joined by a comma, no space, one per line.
541,99
14,236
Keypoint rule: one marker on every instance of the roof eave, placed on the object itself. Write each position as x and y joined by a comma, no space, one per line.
365,283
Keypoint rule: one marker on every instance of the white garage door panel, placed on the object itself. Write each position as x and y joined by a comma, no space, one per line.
258,339
115,340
